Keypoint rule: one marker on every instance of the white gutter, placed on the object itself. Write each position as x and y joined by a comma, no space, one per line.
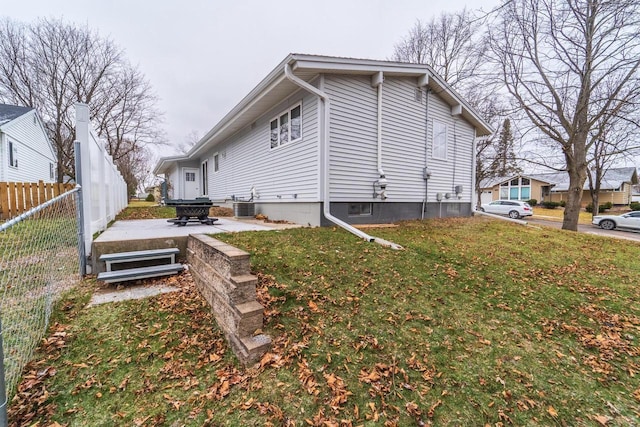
324,141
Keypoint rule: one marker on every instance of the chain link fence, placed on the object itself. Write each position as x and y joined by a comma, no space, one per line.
39,259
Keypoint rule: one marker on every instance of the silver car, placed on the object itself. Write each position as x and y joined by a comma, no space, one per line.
513,208
629,220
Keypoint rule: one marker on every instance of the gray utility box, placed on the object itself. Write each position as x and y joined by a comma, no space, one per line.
244,209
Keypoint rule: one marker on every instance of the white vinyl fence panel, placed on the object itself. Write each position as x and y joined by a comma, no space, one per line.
104,190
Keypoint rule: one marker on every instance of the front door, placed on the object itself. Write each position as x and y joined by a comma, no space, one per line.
190,180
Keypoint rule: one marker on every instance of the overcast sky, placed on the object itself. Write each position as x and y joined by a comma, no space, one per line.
202,57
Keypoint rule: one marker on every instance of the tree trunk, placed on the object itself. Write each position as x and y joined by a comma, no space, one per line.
577,178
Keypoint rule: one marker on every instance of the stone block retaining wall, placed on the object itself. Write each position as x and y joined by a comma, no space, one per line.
221,273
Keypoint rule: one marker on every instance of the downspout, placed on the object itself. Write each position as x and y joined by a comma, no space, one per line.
377,81
324,141
426,173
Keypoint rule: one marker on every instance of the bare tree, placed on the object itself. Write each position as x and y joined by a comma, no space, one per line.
453,45
190,140
572,67
50,65
450,44
618,140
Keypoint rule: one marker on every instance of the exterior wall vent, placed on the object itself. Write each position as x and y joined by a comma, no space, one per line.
418,94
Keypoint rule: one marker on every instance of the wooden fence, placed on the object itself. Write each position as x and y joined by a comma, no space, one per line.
19,197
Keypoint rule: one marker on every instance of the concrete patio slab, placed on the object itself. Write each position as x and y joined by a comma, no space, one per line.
146,234
161,229
128,293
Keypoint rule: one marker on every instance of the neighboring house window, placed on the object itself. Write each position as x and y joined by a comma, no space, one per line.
205,177
52,171
516,189
13,154
439,140
216,162
359,209
287,127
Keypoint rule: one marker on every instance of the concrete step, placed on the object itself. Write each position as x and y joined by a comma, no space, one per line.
140,273
167,255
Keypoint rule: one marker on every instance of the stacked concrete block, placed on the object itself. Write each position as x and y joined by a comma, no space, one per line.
221,273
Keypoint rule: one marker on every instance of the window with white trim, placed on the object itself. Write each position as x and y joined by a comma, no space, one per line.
52,171
12,152
439,141
287,127
216,162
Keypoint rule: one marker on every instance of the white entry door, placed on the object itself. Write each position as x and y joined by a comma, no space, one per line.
190,180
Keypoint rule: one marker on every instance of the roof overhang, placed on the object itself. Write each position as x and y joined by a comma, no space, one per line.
275,88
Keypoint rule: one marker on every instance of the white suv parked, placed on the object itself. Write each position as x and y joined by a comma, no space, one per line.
513,208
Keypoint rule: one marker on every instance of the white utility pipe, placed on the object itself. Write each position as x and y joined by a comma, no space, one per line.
324,140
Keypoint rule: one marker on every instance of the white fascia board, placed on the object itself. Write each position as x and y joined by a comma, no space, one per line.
165,162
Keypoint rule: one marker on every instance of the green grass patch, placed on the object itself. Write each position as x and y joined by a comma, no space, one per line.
558,214
146,210
476,322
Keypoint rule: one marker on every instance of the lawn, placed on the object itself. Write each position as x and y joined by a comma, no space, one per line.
476,322
558,214
151,210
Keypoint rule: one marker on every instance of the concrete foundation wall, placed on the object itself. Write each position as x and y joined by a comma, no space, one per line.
222,275
386,212
382,212
300,213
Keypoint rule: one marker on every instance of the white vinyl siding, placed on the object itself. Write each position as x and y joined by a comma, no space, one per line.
406,146
457,169
286,174
353,138
403,140
33,152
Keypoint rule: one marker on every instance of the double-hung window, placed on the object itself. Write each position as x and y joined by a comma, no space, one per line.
12,152
439,141
287,127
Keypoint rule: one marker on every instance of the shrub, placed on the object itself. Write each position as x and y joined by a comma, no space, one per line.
532,202
549,205
602,208
563,203
635,206
150,198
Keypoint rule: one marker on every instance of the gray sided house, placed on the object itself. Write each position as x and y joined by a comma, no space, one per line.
362,141
26,153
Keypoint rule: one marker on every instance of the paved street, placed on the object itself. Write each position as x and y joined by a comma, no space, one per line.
628,235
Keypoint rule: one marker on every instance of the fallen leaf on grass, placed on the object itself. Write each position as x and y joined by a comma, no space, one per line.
552,411
603,420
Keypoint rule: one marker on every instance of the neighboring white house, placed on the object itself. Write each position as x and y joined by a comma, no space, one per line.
26,153
364,141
